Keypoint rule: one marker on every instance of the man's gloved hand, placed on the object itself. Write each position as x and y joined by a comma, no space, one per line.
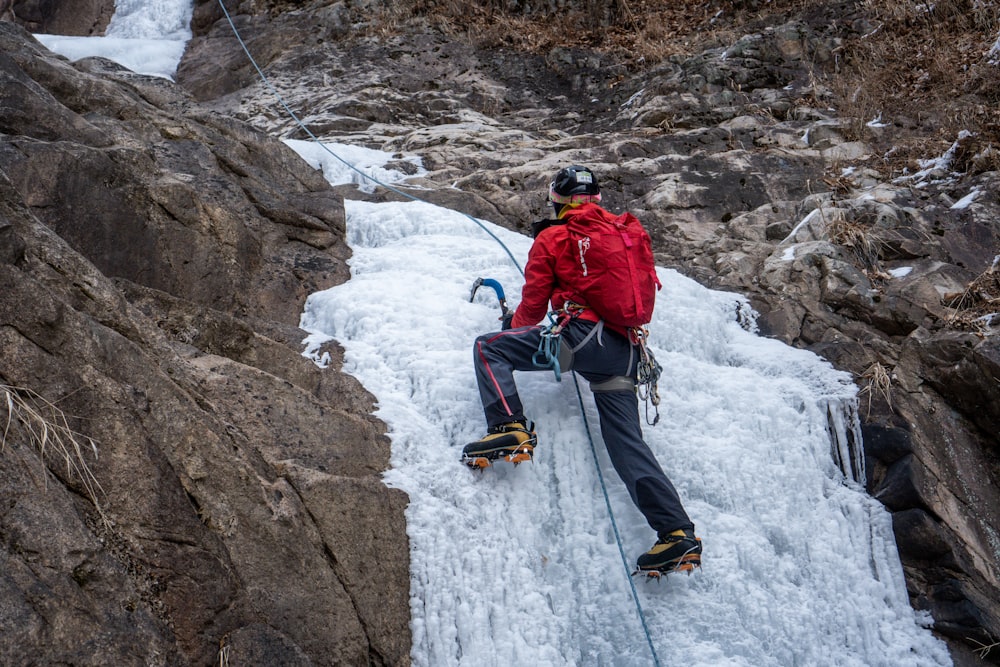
505,320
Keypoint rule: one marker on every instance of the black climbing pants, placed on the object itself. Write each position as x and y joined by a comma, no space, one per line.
599,355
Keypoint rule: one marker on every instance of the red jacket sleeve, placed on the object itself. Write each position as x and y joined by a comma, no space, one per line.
539,281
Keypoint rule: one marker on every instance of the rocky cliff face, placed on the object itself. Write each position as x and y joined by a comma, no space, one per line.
67,17
732,151
180,486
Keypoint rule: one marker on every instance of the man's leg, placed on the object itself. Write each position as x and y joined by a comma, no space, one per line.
509,437
650,489
601,356
496,356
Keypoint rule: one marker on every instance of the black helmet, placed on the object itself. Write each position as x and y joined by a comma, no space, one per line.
574,185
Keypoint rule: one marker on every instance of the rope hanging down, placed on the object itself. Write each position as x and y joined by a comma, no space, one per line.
614,526
479,223
302,126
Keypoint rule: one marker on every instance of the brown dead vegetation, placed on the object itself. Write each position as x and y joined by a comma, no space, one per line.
926,70
633,30
978,307
29,417
923,68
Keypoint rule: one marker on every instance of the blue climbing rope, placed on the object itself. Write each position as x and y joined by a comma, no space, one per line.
551,355
350,166
614,524
547,354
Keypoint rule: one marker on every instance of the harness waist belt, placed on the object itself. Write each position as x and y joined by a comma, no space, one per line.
617,383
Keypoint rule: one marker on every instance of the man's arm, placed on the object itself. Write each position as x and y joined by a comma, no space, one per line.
539,282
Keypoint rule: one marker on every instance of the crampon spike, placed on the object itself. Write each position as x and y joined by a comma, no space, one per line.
522,454
477,462
519,455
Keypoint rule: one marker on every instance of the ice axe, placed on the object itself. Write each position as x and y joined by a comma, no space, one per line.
489,282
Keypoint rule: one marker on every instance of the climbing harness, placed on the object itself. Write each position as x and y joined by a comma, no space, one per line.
547,354
551,352
550,342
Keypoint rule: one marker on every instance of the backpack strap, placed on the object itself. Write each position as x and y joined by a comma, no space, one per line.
541,225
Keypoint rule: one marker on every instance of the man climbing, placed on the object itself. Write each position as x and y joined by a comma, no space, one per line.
596,270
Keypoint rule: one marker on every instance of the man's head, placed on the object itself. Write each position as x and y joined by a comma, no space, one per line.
573,186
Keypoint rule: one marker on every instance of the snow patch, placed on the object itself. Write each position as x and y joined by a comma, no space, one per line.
935,170
877,122
805,221
967,200
342,163
994,52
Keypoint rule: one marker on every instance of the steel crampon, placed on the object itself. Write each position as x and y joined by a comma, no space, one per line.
688,563
520,455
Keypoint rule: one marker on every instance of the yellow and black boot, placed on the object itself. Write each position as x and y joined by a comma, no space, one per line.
679,551
513,442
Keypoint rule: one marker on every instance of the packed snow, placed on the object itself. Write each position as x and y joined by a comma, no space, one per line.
520,565
805,222
341,163
935,169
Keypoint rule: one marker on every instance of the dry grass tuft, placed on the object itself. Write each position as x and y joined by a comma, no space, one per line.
864,243
978,307
984,649
49,433
224,650
878,381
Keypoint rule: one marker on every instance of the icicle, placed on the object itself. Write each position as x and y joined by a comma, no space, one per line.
846,442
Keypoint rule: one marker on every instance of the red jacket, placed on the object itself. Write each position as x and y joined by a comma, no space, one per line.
549,272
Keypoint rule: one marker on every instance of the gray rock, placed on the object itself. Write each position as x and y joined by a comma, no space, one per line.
158,314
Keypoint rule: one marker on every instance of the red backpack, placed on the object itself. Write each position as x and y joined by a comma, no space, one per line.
614,256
